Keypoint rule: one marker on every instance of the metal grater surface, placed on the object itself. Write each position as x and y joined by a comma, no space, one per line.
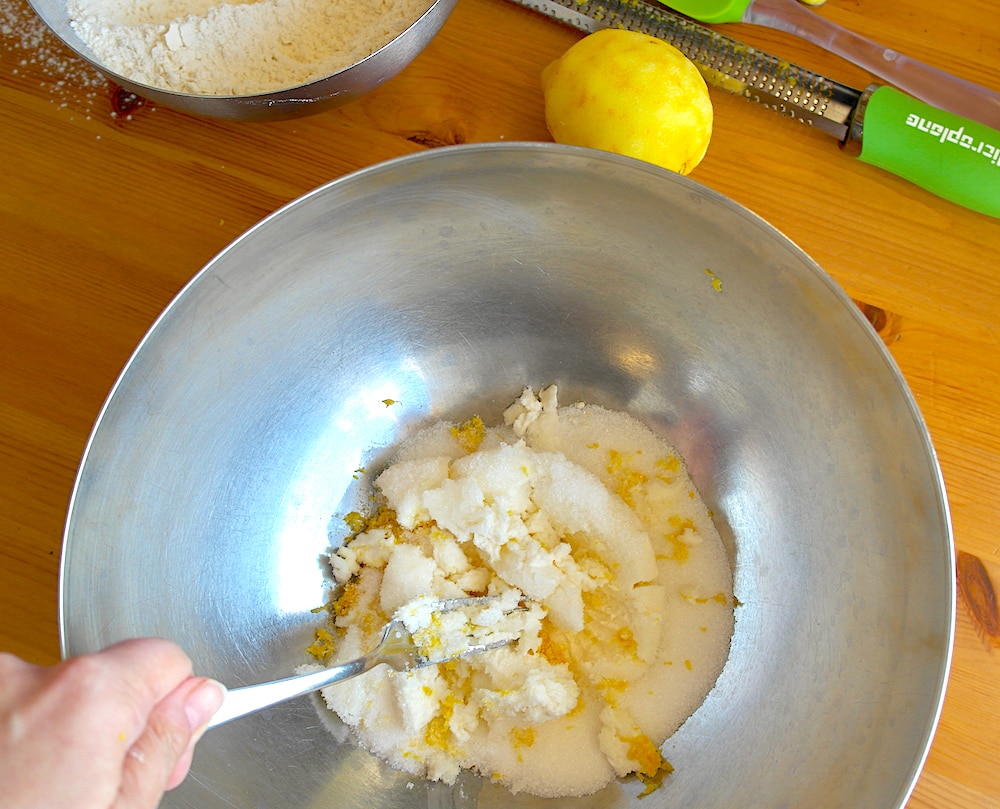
725,63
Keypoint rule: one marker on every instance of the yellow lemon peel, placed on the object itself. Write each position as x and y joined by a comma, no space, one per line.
632,94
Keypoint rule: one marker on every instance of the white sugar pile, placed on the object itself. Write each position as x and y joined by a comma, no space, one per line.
197,46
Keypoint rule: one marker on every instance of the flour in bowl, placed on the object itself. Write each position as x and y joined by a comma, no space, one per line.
236,48
590,520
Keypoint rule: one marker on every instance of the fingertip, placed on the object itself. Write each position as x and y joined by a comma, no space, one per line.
160,758
200,706
202,703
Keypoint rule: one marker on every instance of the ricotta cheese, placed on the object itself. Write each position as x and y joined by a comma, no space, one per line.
589,521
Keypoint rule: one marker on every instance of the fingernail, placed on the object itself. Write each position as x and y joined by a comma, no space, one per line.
202,703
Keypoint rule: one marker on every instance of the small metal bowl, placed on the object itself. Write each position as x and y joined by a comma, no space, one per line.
229,451
324,93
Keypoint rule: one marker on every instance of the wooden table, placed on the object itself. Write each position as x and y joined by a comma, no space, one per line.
105,215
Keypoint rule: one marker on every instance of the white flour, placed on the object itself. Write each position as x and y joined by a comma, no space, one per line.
197,46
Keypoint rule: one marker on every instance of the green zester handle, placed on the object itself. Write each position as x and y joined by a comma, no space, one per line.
944,153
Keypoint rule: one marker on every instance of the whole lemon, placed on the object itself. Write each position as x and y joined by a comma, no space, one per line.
629,93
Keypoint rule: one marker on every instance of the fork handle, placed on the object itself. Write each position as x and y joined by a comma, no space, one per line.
242,701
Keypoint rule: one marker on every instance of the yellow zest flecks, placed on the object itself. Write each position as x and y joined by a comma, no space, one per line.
449,670
373,621
522,737
612,688
687,665
646,755
625,640
595,600
355,521
716,281
653,781
671,463
438,732
389,402
615,461
554,651
324,645
348,599
470,434
679,550
718,598
428,639
383,517
625,479
668,467
439,534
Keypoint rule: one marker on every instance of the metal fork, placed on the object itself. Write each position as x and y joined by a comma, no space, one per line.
396,649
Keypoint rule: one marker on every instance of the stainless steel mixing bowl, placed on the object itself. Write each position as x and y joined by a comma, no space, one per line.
291,102
227,452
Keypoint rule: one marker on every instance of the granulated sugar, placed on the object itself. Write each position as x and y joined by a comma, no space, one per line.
195,46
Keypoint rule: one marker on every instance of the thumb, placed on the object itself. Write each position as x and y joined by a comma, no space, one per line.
161,755
201,705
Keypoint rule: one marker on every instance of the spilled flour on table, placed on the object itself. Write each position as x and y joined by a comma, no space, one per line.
31,51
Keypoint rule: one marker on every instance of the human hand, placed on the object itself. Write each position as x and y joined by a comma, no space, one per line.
110,730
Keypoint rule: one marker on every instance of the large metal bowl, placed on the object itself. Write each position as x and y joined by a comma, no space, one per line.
291,102
446,281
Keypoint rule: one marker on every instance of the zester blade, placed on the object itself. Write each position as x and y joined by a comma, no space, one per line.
726,63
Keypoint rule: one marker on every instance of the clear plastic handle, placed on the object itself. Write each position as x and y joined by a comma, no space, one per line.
921,81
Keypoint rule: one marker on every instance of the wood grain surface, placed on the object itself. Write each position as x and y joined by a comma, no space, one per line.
108,207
